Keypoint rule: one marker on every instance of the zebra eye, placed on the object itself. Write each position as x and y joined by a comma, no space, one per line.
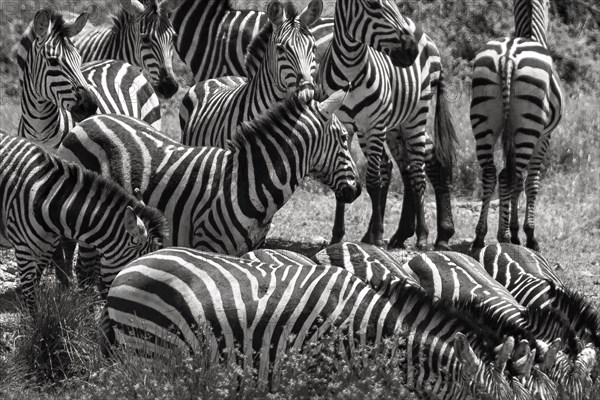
280,49
52,61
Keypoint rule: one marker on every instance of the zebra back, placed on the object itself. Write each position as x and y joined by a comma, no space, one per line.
264,310
198,24
141,35
44,198
278,257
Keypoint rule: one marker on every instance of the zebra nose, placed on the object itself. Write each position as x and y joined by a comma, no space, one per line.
85,106
305,90
405,55
167,85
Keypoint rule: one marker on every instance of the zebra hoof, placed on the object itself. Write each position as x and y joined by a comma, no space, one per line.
396,243
533,245
375,241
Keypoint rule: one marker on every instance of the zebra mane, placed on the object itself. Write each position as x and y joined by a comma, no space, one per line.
256,50
549,316
576,306
155,222
264,124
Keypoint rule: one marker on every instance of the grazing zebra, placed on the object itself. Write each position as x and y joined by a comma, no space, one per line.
43,198
157,304
515,75
212,37
456,278
57,92
393,67
529,278
215,199
141,35
280,61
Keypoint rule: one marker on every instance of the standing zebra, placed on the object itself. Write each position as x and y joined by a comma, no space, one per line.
43,198
215,199
280,61
263,310
57,92
141,35
529,278
212,37
515,75
393,67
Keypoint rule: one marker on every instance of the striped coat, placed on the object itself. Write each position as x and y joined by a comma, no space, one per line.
44,199
141,35
264,310
57,91
280,62
216,199
212,37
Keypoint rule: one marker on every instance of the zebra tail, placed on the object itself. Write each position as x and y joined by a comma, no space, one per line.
444,149
508,136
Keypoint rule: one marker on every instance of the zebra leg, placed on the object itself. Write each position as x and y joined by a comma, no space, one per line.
505,190
489,185
86,266
441,180
386,179
339,229
63,261
514,208
372,146
531,190
30,267
417,180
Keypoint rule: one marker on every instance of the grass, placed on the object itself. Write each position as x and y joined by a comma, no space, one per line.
567,225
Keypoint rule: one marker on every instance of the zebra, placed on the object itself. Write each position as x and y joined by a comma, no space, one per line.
212,37
44,198
530,279
515,75
214,199
141,35
394,67
454,277
280,61
262,310
57,92
278,257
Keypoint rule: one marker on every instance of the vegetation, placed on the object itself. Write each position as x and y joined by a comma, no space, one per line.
54,353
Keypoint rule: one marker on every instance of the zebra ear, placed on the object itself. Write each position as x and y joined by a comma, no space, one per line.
133,7
521,364
275,12
550,354
333,103
166,6
503,352
73,28
41,23
466,355
135,226
311,13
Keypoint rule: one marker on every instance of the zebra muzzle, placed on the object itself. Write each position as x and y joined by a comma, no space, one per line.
167,85
85,106
306,91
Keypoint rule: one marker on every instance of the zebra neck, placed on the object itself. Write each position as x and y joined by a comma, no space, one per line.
349,56
531,19
121,40
263,89
42,121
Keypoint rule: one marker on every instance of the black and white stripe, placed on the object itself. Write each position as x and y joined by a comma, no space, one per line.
280,62
141,34
159,301
216,199
57,91
212,37
44,199
516,95
394,68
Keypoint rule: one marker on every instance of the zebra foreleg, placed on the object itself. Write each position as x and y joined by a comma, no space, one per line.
406,226
86,266
30,267
374,150
339,229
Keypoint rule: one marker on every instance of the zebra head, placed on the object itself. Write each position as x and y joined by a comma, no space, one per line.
380,25
154,36
291,50
53,66
486,380
333,164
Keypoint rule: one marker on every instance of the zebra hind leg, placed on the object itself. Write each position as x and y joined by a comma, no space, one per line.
505,190
373,147
489,185
514,208
532,187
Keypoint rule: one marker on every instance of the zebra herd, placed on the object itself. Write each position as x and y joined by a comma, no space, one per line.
170,230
